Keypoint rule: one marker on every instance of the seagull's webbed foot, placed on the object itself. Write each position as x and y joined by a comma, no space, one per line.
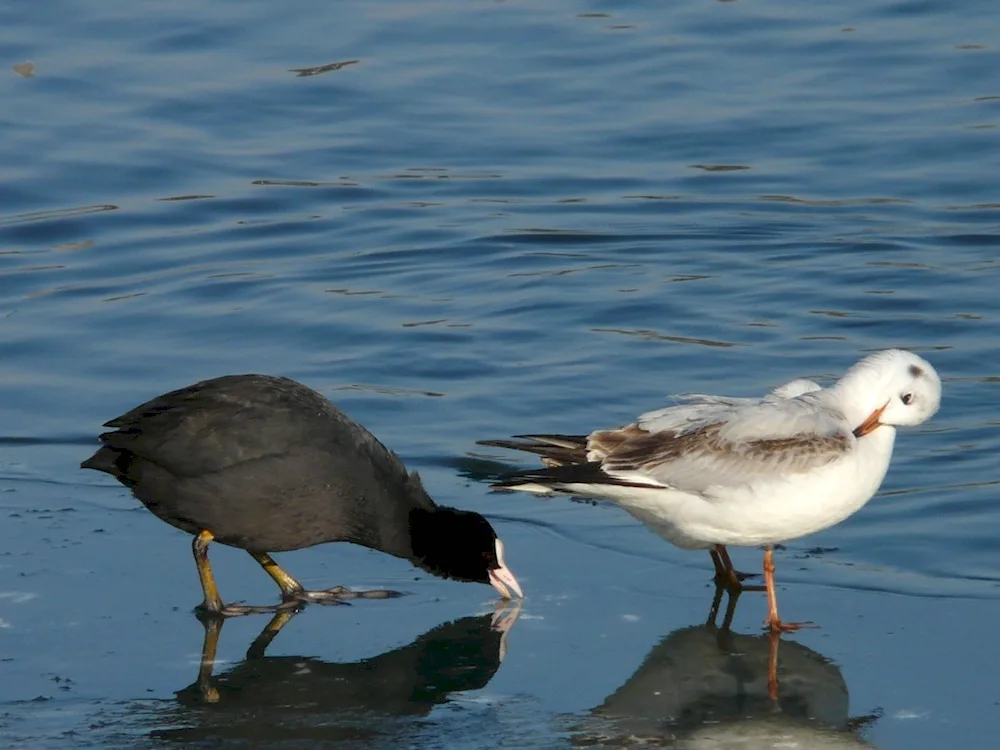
780,626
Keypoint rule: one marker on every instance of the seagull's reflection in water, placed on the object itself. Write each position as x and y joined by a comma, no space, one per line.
288,700
707,688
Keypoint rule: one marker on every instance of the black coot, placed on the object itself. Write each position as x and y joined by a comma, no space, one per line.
266,464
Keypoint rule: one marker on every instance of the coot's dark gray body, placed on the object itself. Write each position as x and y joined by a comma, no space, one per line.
267,464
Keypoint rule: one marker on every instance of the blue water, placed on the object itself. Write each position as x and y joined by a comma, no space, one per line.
485,218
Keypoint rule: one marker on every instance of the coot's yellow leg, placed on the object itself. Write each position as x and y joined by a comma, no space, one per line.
212,605
213,602
290,588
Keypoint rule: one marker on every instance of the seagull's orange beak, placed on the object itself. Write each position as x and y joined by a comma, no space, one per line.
871,424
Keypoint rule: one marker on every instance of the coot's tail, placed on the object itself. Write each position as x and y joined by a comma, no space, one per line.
111,461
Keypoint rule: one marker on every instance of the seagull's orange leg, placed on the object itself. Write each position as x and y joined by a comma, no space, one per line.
720,568
726,574
724,556
773,621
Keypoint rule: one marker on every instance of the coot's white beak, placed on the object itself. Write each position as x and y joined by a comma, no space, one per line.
502,579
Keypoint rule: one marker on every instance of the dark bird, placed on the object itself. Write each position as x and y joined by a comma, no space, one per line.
266,464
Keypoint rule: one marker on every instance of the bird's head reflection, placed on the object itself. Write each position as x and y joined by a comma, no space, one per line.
294,697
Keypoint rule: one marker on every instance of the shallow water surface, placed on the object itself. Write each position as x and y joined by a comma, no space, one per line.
469,220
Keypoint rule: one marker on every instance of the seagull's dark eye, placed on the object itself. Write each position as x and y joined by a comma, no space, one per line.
906,398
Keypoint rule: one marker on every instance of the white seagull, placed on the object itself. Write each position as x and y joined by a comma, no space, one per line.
715,471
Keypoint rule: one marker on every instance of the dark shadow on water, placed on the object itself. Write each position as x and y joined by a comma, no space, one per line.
476,467
295,701
707,687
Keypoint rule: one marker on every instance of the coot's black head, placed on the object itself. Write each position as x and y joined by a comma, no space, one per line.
462,545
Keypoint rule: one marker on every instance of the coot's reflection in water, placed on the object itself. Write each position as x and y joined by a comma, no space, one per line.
709,688
302,701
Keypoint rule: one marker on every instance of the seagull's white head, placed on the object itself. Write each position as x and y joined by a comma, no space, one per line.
893,387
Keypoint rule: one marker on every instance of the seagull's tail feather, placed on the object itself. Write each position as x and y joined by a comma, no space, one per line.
555,450
567,478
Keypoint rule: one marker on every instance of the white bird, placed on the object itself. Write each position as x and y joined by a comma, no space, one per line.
715,471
